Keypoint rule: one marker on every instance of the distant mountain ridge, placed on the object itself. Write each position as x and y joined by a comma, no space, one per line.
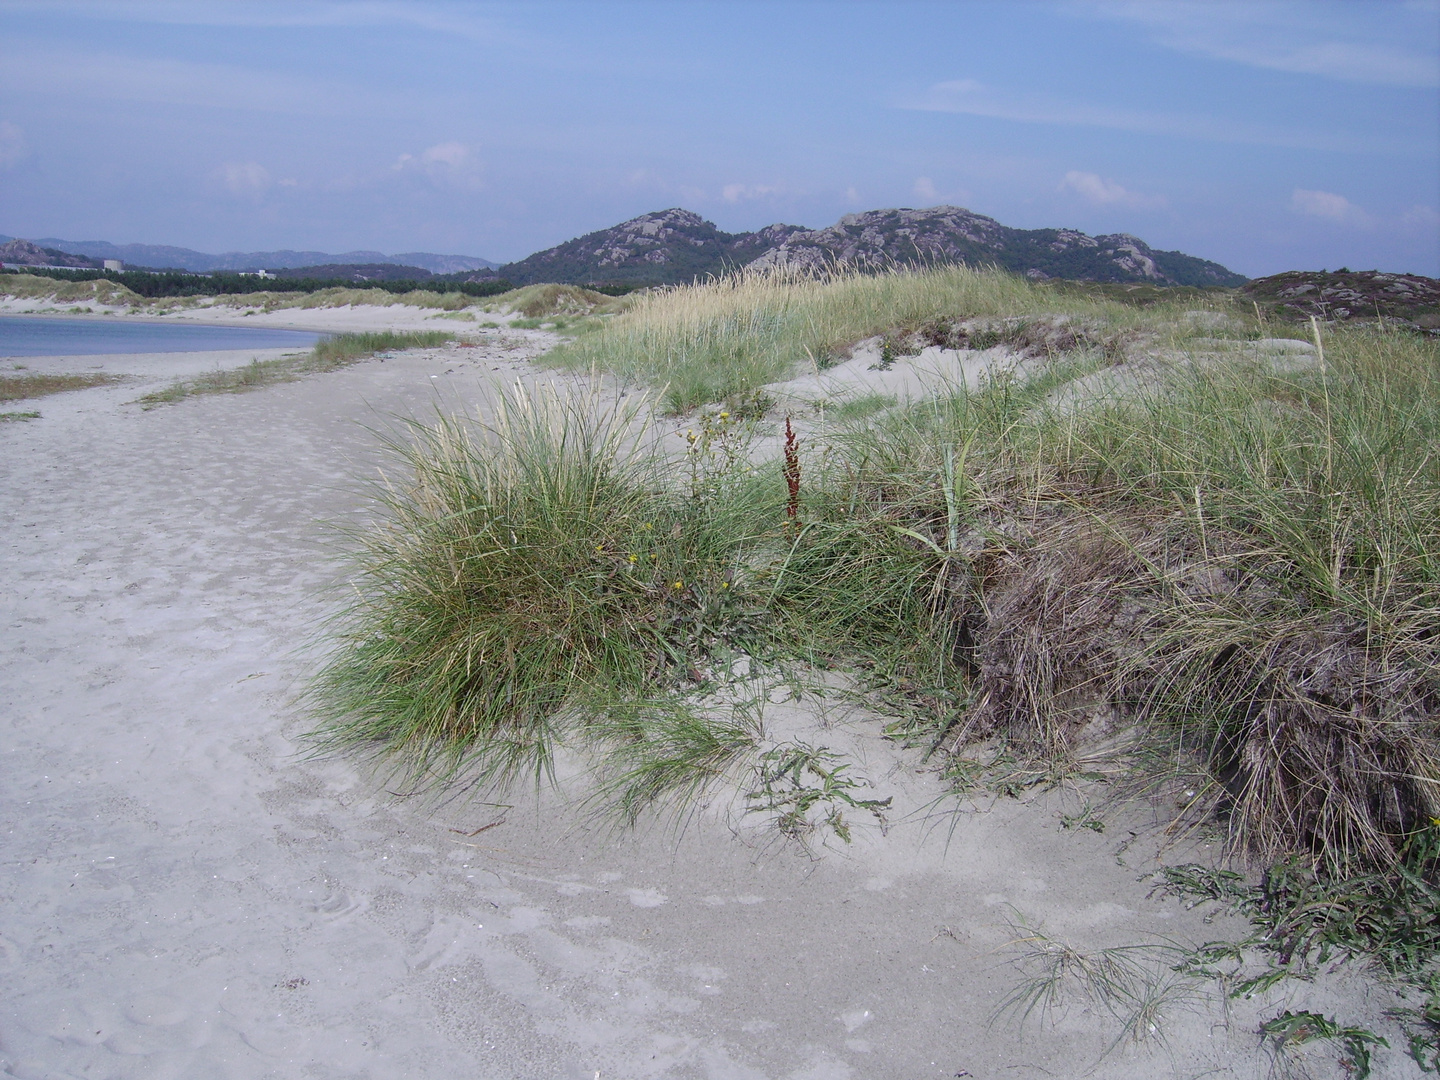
159,256
676,245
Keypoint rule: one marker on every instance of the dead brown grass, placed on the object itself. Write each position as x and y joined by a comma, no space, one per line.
1309,729
24,387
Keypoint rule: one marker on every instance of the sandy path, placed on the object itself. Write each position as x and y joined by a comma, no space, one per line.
184,896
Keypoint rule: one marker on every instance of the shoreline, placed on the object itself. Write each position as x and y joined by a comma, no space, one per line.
337,320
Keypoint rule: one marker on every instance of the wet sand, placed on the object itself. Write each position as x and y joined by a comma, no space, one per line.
187,894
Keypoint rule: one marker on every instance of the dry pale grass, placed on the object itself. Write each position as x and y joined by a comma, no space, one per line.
723,340
341,296
1314,731
99,291
538,301
1237,569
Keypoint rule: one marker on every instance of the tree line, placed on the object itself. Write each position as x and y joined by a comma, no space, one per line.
159,284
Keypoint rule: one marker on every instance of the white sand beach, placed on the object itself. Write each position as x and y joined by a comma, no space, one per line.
188,892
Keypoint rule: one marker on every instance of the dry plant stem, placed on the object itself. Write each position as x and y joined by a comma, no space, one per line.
792,477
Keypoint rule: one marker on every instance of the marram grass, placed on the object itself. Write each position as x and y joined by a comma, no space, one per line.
1239,568
531,575
725,339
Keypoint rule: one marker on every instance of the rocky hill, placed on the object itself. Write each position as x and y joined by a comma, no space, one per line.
666,247
675,245
24,253
1346,295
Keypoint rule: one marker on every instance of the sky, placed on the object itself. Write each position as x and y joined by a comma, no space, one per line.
1298,134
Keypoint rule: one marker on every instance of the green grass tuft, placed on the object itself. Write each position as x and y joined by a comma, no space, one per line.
341,349
25,387
531,577
330,353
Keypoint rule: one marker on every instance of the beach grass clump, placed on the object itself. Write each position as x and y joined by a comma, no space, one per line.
728,338
540,301
36,384
343,297
1138,985
1238,564
1295,649
10,417
329,354
339,350
533,580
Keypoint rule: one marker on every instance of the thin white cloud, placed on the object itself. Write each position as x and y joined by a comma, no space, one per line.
735,192
973,98
1299,38
1101,192
104,79
245,178
925,189
13,148
1329,206
452,164
452,154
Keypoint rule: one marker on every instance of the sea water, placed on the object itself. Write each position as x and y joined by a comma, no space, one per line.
31,336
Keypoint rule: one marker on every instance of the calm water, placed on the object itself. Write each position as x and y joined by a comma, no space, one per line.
28,336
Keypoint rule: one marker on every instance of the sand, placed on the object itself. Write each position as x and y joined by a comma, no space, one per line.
187,893
352,319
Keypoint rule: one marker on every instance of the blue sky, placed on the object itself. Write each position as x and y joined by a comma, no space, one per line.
1266,136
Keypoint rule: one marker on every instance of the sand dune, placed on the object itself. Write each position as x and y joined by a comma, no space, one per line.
187,894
